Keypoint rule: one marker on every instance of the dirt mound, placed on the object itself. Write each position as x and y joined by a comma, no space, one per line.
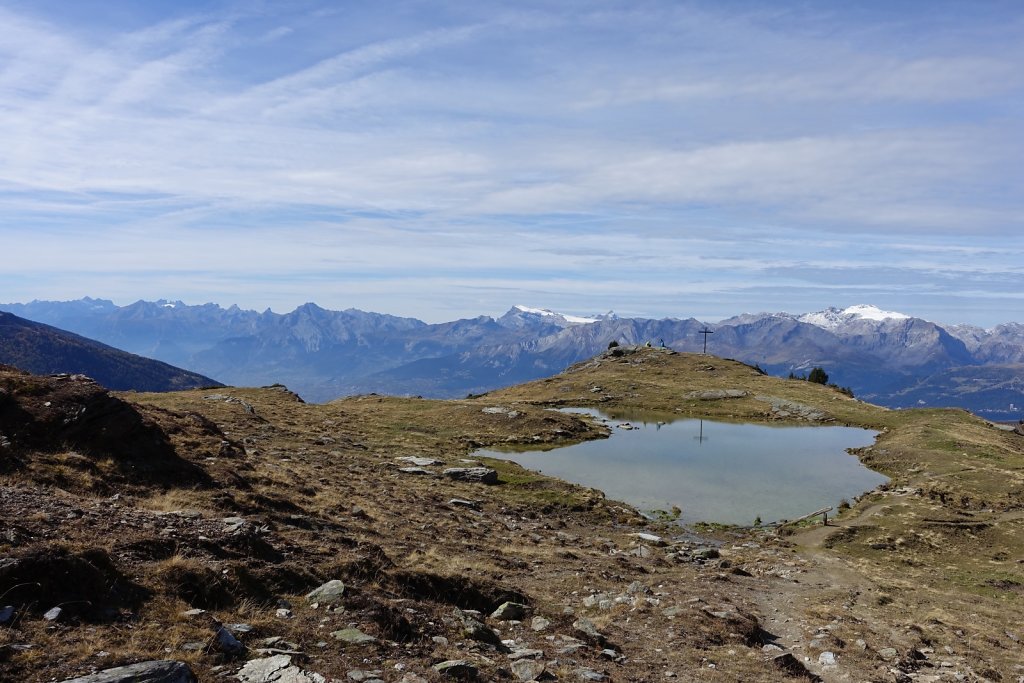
459,591
71,413
84,585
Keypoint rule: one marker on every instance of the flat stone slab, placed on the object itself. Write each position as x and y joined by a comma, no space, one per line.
157,671
414,470
652,539
419,462
353,636
716,394
276,669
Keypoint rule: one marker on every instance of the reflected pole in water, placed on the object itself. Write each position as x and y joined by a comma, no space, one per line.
700,438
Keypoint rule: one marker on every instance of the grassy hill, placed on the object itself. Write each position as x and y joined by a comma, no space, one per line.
921,579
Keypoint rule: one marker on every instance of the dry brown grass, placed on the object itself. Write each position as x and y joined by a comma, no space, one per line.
303,468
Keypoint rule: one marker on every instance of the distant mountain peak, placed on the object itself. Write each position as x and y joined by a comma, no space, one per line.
557,318
832,318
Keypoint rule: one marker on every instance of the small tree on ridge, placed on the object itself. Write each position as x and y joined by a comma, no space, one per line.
818,376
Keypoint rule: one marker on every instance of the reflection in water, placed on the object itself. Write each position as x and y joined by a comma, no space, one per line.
722,472
700,436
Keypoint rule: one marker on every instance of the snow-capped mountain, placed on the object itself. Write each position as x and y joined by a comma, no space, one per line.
886,357
834,318
524,316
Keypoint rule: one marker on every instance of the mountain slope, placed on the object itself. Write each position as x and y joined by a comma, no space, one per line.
42,349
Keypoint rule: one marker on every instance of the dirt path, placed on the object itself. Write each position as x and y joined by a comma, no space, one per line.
815,536
816,606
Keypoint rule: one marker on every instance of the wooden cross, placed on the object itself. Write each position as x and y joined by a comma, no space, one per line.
706,332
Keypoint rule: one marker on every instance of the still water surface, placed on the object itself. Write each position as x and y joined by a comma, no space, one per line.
714,471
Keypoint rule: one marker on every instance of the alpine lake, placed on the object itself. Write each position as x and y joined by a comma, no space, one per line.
716,472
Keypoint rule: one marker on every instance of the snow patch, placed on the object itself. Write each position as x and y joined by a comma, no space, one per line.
874,313
833,318
547,313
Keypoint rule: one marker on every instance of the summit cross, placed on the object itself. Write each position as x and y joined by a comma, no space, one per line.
706,332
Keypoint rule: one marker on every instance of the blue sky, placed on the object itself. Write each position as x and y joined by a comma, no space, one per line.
450,159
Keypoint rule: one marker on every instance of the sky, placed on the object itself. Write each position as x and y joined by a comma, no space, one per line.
450,159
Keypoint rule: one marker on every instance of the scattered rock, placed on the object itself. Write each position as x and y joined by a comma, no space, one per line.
827,659
478,475
463,503
888,653
6,614
412,678
654,540
499,410
591,675
457,668
585,628
228,643
353,636
419,462
792,667
276,669
328,594
414,470
161,671
783,408
528,669
510,611
539,624
476,630
53,614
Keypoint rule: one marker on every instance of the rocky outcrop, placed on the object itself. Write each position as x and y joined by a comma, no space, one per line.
62,412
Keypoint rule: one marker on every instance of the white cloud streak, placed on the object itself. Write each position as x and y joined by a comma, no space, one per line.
598,144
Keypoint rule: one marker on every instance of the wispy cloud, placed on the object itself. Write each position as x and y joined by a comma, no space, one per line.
631,153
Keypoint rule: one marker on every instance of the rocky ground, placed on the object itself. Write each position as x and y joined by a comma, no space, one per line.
242,534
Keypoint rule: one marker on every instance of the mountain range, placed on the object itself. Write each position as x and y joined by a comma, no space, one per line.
885,357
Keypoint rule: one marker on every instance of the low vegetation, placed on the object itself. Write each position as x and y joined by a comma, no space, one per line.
267,497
